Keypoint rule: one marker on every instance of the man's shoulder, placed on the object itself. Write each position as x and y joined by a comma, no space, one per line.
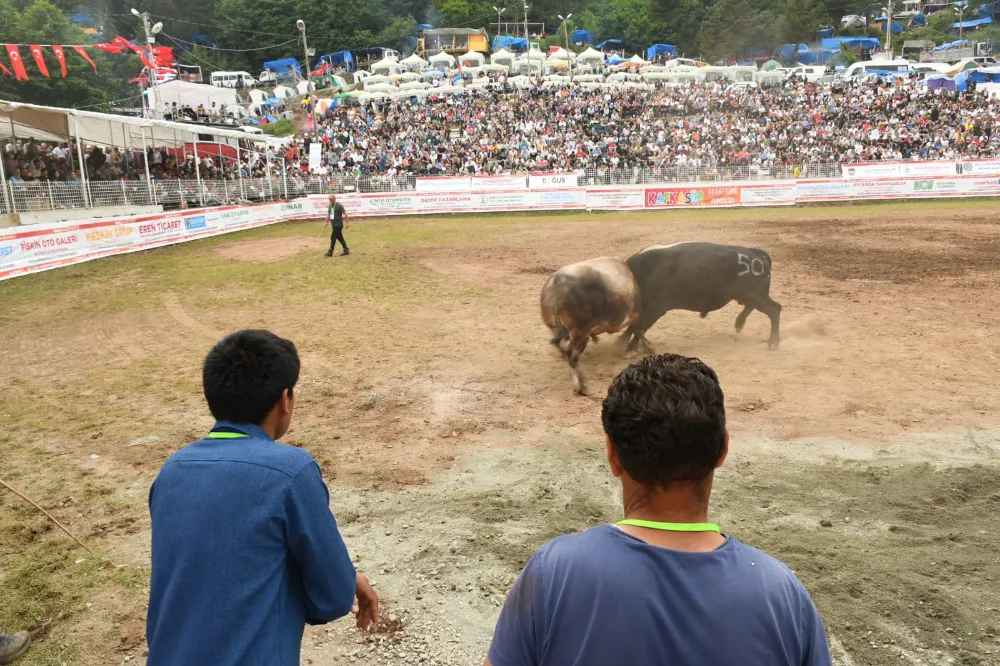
280,458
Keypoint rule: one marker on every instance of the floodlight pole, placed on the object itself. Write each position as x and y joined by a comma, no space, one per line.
499,11
528,46
150,40
301,25
888,30
569,63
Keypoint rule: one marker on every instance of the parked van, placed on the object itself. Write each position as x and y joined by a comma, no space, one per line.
859,69
233,80
812,74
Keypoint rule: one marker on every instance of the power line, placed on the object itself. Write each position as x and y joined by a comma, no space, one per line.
220,27
217,48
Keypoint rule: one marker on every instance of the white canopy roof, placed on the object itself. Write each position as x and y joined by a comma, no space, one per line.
283,91
560,54
191,94
473,56
503,55
591,55
637,59
46,123
414,61
442,58
495,67
386,64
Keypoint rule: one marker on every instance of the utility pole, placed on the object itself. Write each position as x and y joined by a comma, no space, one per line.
301,25
569,61
961,17
151,32
888,30
526,28
499,11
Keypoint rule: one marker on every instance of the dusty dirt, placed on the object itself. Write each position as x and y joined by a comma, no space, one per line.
865,450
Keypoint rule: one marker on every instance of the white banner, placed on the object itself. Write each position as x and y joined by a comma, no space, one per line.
616,198
41,247
903,169
873,170
979,167
485,183
921,169
315,156
549,181
444,184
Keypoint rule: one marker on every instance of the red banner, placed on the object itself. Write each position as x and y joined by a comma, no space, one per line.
144,59
682,197
36,51
6,71
16,63
83,53
61,57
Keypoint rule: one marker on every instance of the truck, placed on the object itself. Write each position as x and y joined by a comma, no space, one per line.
955,53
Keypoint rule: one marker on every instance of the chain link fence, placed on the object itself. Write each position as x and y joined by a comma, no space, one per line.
173,194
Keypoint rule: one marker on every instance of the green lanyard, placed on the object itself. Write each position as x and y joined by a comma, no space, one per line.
220,434
672,527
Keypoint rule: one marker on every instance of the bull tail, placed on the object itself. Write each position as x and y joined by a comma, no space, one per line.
560,333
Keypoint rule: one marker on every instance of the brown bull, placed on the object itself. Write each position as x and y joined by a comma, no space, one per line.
583,300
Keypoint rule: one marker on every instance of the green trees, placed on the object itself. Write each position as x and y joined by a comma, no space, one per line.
41,22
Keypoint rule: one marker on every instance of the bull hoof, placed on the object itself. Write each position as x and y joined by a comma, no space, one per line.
739,328
594,339
772,345
581,390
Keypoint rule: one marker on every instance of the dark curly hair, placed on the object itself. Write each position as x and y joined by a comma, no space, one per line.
666,418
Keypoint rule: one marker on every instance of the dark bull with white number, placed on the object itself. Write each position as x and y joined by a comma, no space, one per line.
701,277
583,300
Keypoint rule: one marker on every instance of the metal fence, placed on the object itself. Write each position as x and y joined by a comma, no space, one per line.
171,194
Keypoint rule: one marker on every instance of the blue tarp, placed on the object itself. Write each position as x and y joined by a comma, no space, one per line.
660,49
918,21
615,60
817,57
284,66
791,51
958,43
897,28
823,34
271,119
202,40
864,43
609,43
510,43
339,59
582,37
80,18
424,26
271,102
972,24
986,10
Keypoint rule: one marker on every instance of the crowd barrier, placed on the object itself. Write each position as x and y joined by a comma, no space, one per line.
41,247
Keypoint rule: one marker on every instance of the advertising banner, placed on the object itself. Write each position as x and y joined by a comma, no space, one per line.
444,184
485,183
979,168
692,197
774,194
616,198
919,169
873,170
548,181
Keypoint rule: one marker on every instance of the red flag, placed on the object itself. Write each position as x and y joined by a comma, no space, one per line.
83,53
6,71
61,57
16,63
122,43
144,59
36,51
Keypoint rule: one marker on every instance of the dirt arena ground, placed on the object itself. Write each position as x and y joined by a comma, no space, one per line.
865,452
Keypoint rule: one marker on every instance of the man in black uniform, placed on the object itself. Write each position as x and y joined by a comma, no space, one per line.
336,214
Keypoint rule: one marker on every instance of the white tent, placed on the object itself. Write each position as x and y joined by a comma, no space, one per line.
256,96
637,59
503,57
413,62
493,67
473,59
447,90
302,87
431,74
591,55
442,58
377,78
281,91
407,76
380,87
414,85
560,54
387,64
236,111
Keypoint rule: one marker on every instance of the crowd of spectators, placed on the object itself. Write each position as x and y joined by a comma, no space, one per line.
705,127
711,129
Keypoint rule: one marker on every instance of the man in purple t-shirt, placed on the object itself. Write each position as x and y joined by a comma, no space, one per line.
663,586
